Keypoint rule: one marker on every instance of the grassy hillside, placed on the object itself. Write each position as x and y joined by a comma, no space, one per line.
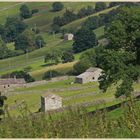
44,17
71,93
77,23
35,59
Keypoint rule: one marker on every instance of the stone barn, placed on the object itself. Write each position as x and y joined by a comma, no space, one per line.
50,102
11,82
90,75
68,37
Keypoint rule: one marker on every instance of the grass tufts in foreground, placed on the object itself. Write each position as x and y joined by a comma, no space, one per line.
73,124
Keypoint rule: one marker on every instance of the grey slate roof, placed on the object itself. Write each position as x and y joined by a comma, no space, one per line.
50,95
12,81
88,72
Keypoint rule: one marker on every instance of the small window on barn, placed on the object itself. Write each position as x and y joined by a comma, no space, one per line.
53,99
93,78
8,85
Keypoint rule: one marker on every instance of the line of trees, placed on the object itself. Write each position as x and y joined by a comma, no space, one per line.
58,56
25,12
70,15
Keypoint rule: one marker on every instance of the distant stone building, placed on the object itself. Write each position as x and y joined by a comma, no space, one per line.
11,82
68,36
50,102
90,75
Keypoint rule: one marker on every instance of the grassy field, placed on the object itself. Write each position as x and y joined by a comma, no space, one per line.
35,59
77,23
86,93
44,17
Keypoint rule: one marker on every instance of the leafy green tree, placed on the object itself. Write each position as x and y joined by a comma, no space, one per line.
99,6
55,28
25,41
39,41
91,56
54,57
4,51
57,6
123,35
23,74
25,12
13,27
84,39
2,99
67,57
92,23
125,88
81,66
137,46
50,74
34,11
85,11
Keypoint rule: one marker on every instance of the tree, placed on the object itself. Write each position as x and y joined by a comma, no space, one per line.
22,74
34,11
120,60
81,66
50,74
25,41
67,57
85,11
53,56
57,6
4,51
39,41
2,99
25,12
55,28
84,39
92,23
99,6
91,56
13,27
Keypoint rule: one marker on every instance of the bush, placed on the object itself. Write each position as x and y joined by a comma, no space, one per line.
57,6
34,11
81,66
100,6
25,12
39,41
50,74
67,57
84,39
20,74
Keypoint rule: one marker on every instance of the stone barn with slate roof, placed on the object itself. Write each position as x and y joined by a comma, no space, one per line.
90,75
50,102
11,82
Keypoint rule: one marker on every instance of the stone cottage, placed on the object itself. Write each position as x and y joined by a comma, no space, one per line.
68,36
11,82
50,102
90,75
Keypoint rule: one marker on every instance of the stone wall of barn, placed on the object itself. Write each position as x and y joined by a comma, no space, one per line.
50,103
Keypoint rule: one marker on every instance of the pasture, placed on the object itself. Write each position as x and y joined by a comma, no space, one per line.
72,94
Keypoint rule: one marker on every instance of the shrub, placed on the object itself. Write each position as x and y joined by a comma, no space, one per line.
50,74
35,11
57,6
67,57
